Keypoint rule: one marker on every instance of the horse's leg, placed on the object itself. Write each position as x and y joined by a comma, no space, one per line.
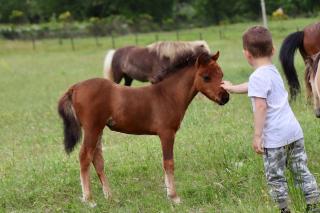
317,91
308,83
86,156
98,163
316,104
167,141
117,76
127,80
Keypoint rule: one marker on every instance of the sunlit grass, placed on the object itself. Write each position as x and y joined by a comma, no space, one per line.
216,169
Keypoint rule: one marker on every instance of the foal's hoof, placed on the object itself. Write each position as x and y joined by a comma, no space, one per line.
90,203
107,195
175,200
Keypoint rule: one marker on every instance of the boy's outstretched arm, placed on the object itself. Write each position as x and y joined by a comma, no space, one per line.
259,120
239,88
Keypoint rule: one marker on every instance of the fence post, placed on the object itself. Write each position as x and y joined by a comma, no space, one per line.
220,34
136,38
33,42
60,40
97,40
72,43
60,35
200,36
113,41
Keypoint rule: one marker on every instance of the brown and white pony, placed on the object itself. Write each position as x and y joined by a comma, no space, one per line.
144,63
156,109
308,43
312,80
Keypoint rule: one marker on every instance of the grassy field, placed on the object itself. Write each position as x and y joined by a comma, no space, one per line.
216,169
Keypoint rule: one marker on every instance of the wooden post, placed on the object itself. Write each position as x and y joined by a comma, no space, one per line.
200,36
60,40
97,40
113,41
33,42
136,38
72,43
264,15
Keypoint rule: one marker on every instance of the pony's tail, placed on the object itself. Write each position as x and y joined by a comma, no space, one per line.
107,67
289,46
72,128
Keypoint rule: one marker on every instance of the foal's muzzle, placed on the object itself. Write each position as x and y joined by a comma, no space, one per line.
224,98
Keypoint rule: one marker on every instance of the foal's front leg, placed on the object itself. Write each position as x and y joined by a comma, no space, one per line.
167,141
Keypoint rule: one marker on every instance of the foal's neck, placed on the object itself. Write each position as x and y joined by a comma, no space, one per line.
180,87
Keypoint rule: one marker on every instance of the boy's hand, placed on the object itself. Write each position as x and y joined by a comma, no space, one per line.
226,85
239,88
257,144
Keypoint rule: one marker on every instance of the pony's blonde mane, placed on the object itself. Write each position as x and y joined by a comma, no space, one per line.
174,49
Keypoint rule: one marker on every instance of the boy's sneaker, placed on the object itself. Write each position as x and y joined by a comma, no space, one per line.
313,208
285,210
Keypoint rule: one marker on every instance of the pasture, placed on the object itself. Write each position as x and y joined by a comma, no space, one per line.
216,169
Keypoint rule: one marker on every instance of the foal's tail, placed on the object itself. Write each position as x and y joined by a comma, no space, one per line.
107,67
289,46
72,128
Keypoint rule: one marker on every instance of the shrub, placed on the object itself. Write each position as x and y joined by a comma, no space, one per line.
279,14
17,17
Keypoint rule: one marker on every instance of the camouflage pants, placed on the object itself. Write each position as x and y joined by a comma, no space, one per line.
294,157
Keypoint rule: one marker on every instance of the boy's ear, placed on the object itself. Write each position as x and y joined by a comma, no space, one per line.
246,53
273,50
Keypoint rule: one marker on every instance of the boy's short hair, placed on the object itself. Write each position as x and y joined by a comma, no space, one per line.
258,41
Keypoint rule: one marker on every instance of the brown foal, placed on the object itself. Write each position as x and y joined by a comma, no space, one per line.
156,109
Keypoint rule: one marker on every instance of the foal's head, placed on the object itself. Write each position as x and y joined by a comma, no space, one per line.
209,78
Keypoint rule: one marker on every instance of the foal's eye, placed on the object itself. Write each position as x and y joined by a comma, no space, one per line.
206,78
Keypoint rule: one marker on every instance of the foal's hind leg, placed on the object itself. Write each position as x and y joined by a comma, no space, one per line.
167,140
86,156
98,163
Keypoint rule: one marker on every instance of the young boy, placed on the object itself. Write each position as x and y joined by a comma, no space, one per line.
277,133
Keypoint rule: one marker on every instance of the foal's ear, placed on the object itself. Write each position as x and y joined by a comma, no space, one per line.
215,56
202,59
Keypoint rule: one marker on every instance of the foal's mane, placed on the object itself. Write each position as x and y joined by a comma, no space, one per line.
186,60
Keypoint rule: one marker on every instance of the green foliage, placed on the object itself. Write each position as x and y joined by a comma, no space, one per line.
195,12
17,16
279,14
65,17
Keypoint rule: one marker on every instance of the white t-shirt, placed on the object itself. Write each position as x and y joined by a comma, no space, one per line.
281,126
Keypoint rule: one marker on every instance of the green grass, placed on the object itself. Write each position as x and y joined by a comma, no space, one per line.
216,169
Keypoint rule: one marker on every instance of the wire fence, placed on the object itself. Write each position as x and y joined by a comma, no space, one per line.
114,41
73,43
